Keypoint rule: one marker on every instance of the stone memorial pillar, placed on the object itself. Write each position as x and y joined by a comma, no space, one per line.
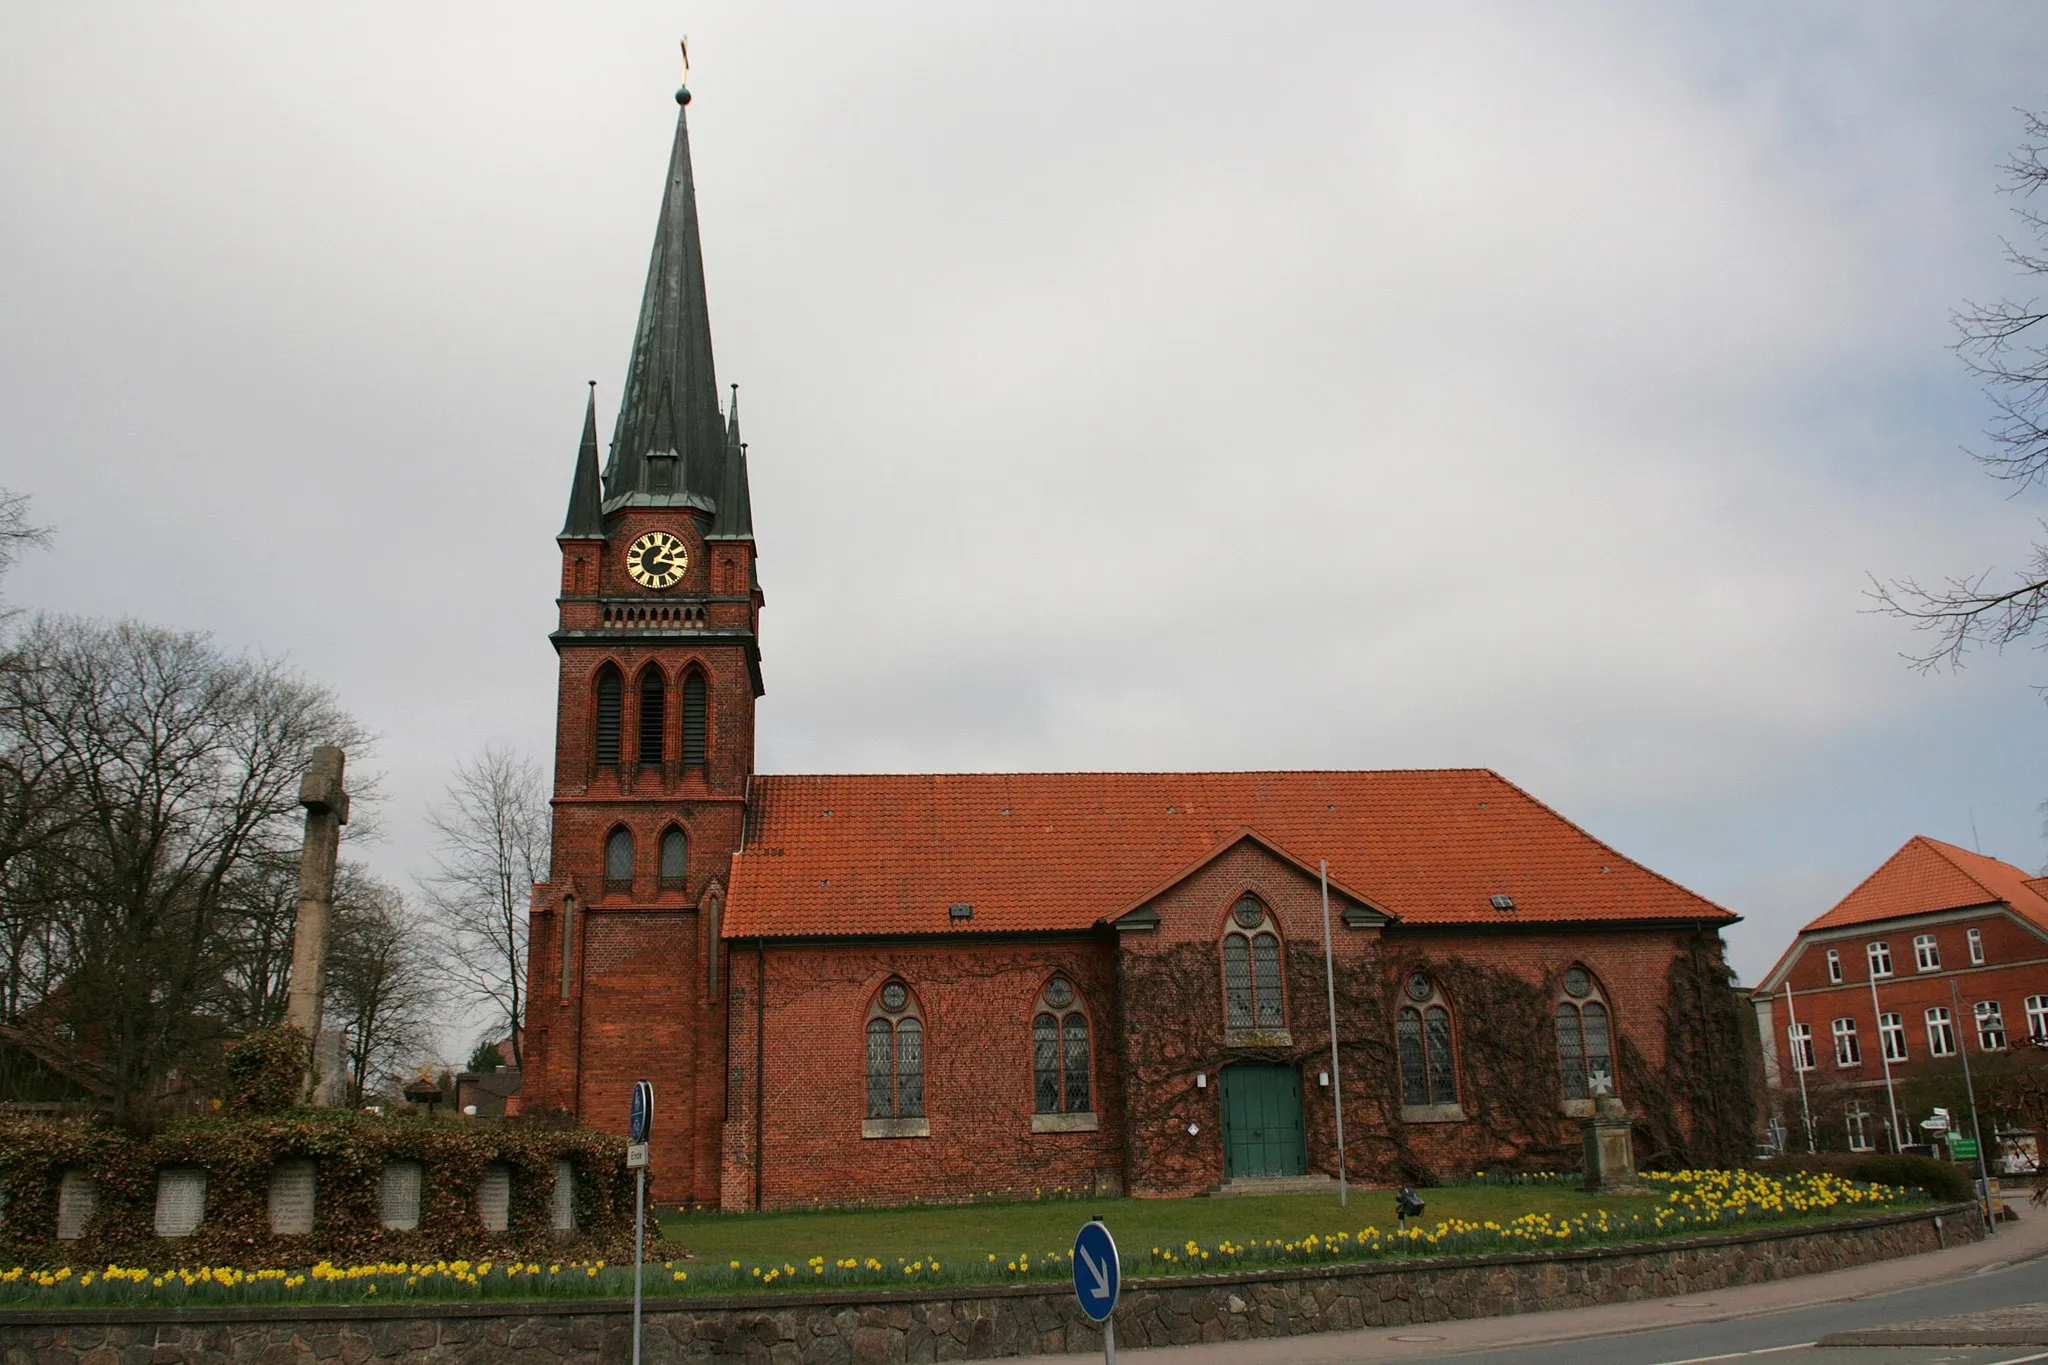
1609,1143
326,803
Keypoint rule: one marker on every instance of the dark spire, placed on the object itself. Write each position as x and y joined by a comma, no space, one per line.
735,519
586,511
670,402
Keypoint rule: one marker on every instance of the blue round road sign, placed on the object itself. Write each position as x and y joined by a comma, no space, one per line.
1096,1273
641,1121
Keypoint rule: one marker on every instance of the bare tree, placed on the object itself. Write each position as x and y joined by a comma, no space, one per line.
493,835
2005,345
380,981
17,533
166,773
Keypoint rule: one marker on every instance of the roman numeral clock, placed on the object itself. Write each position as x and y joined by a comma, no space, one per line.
658,560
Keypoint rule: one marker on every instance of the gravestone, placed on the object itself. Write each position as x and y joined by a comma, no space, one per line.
398,1195
291,1197
563,1205
77,1195
494,1197
180,1200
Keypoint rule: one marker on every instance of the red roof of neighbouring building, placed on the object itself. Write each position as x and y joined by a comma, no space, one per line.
1926,875
889,853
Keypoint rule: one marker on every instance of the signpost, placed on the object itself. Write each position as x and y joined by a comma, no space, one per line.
1097,1279
639,1126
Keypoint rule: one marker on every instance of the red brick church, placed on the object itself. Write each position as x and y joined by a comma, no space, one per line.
932,986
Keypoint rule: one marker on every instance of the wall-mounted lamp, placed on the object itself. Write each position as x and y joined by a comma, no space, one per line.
1201,1080
1323,1079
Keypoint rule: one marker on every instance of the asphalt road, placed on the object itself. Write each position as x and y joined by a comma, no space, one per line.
1774,1333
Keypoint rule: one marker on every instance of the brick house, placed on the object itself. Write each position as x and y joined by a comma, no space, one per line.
926,986
1937,951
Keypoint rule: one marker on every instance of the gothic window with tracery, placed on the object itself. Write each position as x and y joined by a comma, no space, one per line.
1252,993
895,1037
1059,1051
1422,1032
1584,1050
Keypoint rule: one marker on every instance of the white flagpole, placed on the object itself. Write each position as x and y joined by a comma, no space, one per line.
1336,1076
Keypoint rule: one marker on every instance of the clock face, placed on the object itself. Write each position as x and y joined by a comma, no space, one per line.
657,560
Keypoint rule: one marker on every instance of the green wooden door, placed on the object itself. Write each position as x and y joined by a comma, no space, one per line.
1262,1122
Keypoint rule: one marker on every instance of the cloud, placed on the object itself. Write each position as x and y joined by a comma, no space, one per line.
1313,387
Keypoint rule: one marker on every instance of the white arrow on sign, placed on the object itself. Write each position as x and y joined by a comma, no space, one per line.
1101,1279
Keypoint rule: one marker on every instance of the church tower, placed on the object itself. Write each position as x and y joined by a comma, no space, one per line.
660,667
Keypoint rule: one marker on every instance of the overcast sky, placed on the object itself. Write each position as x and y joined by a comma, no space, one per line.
1175,386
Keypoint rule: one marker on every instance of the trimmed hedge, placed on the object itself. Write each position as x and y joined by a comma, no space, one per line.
1941,1179
349,1151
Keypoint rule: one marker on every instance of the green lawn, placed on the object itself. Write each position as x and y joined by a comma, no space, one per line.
972,1232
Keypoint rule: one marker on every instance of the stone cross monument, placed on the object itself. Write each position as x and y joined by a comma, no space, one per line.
326,803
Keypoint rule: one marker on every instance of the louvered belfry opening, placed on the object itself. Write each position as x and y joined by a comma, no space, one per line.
653,712
609,707
693,720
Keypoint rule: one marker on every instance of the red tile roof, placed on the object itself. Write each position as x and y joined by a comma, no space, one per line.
1927,875
888,854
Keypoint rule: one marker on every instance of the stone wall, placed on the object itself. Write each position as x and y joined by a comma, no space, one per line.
973,1324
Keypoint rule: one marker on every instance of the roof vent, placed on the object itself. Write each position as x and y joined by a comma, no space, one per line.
959,912
1503,902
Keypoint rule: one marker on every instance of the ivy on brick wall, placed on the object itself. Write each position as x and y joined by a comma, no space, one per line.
349,1152
1700,1107
1696,1108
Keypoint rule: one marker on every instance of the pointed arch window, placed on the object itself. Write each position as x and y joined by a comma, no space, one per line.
694,730
1059,1052
1585,1051
675,859
1252,990
1422,1032
653,708
610,704
618,860
895,1064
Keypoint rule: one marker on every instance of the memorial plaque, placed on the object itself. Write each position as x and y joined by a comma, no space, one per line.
564,1204
494,1197
291,1197
398,1195
77,1195
180,1200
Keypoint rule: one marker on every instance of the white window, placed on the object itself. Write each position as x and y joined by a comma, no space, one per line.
1990,1026
1891,1031
1847,1051
1801,1036
2037,1018
1858,1119
1976,938
1926,955
1835,966
1880,954
1941,1032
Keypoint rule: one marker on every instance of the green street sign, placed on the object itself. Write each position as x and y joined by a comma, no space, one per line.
1962,1148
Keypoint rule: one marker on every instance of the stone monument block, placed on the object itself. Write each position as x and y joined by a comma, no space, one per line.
494,1197
77,1195
398,1195
1609,1143
562,1207
291,1196
180,1200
